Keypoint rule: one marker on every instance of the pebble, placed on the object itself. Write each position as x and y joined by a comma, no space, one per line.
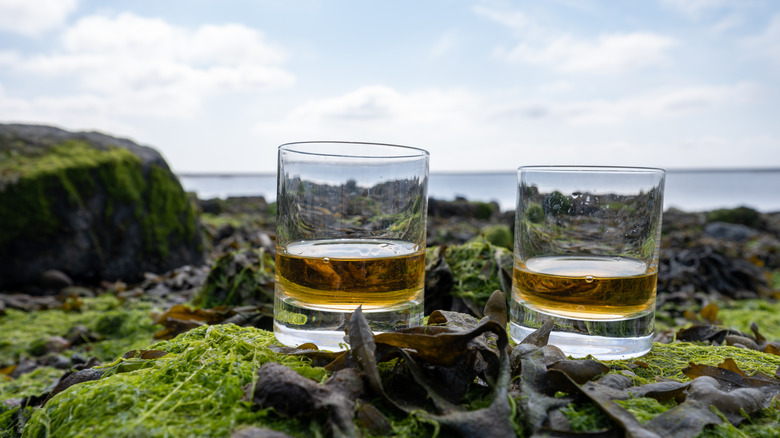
53,281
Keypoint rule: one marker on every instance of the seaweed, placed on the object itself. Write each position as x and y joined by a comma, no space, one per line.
467,275
196,387
121,326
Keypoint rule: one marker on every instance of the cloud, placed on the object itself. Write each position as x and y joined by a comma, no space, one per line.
382,103
561,51
659,104
614,53
30,18
513,19
381,113
145,66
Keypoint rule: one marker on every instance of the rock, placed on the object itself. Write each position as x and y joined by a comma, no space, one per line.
740,215
76,291
89,205
462,208
54,280
735,232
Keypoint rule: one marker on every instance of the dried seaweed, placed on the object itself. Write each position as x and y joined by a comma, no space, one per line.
443,360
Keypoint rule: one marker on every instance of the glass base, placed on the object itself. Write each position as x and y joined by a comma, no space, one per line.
296,324
602,339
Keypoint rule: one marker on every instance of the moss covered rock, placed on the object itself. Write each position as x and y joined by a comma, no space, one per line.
90,205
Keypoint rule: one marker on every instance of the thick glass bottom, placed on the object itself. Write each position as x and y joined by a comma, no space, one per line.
296,324
602,339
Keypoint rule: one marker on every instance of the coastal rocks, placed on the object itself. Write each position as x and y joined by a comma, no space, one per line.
720,255
89,205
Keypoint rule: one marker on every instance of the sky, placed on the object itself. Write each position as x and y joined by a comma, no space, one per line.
483,85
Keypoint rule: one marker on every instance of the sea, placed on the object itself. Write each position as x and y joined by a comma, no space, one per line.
686,190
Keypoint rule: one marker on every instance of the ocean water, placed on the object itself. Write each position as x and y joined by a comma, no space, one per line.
686,190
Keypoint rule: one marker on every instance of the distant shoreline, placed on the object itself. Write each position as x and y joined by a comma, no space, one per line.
483,172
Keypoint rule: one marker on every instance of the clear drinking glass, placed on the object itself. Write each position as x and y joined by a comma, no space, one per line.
586,255
350,231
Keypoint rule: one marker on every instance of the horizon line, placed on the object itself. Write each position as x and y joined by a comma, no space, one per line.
225,174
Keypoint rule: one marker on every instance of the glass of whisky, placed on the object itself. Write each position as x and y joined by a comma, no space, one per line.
350,231
586,252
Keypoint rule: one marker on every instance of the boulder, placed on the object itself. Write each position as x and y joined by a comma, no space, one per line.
89,205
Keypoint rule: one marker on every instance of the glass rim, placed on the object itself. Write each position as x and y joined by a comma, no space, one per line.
414,152
594,169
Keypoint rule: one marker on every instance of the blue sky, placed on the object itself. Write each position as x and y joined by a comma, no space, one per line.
483,85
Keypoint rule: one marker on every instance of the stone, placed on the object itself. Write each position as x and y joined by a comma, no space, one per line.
54,280
734,232
92,206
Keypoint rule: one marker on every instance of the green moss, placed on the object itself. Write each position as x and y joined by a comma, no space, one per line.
739,315
740,215
123,326
196,388
534,213
483,210
586,417
475,266
644,408
555,204
31,186
239,278
499,235
9,420
170,217
29,384
668,360
218,220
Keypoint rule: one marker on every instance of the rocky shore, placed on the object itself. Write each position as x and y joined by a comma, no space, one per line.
122,283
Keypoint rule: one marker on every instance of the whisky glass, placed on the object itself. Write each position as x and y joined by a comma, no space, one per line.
350,232
586,253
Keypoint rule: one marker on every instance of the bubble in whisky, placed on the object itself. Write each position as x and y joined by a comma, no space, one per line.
595,288
340,274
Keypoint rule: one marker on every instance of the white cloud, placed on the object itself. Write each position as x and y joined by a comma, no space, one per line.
660,104
429,118
32,17
144,66
606,53
614,53
383,103
513,19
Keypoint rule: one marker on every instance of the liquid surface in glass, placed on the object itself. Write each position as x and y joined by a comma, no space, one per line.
595,288
344,273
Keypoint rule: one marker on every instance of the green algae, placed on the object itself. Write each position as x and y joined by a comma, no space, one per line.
244,277
28,181
170,215
644,409
29,384
31,185
586,417
499,235
195,390
740,315
123,326
477,269
668,360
